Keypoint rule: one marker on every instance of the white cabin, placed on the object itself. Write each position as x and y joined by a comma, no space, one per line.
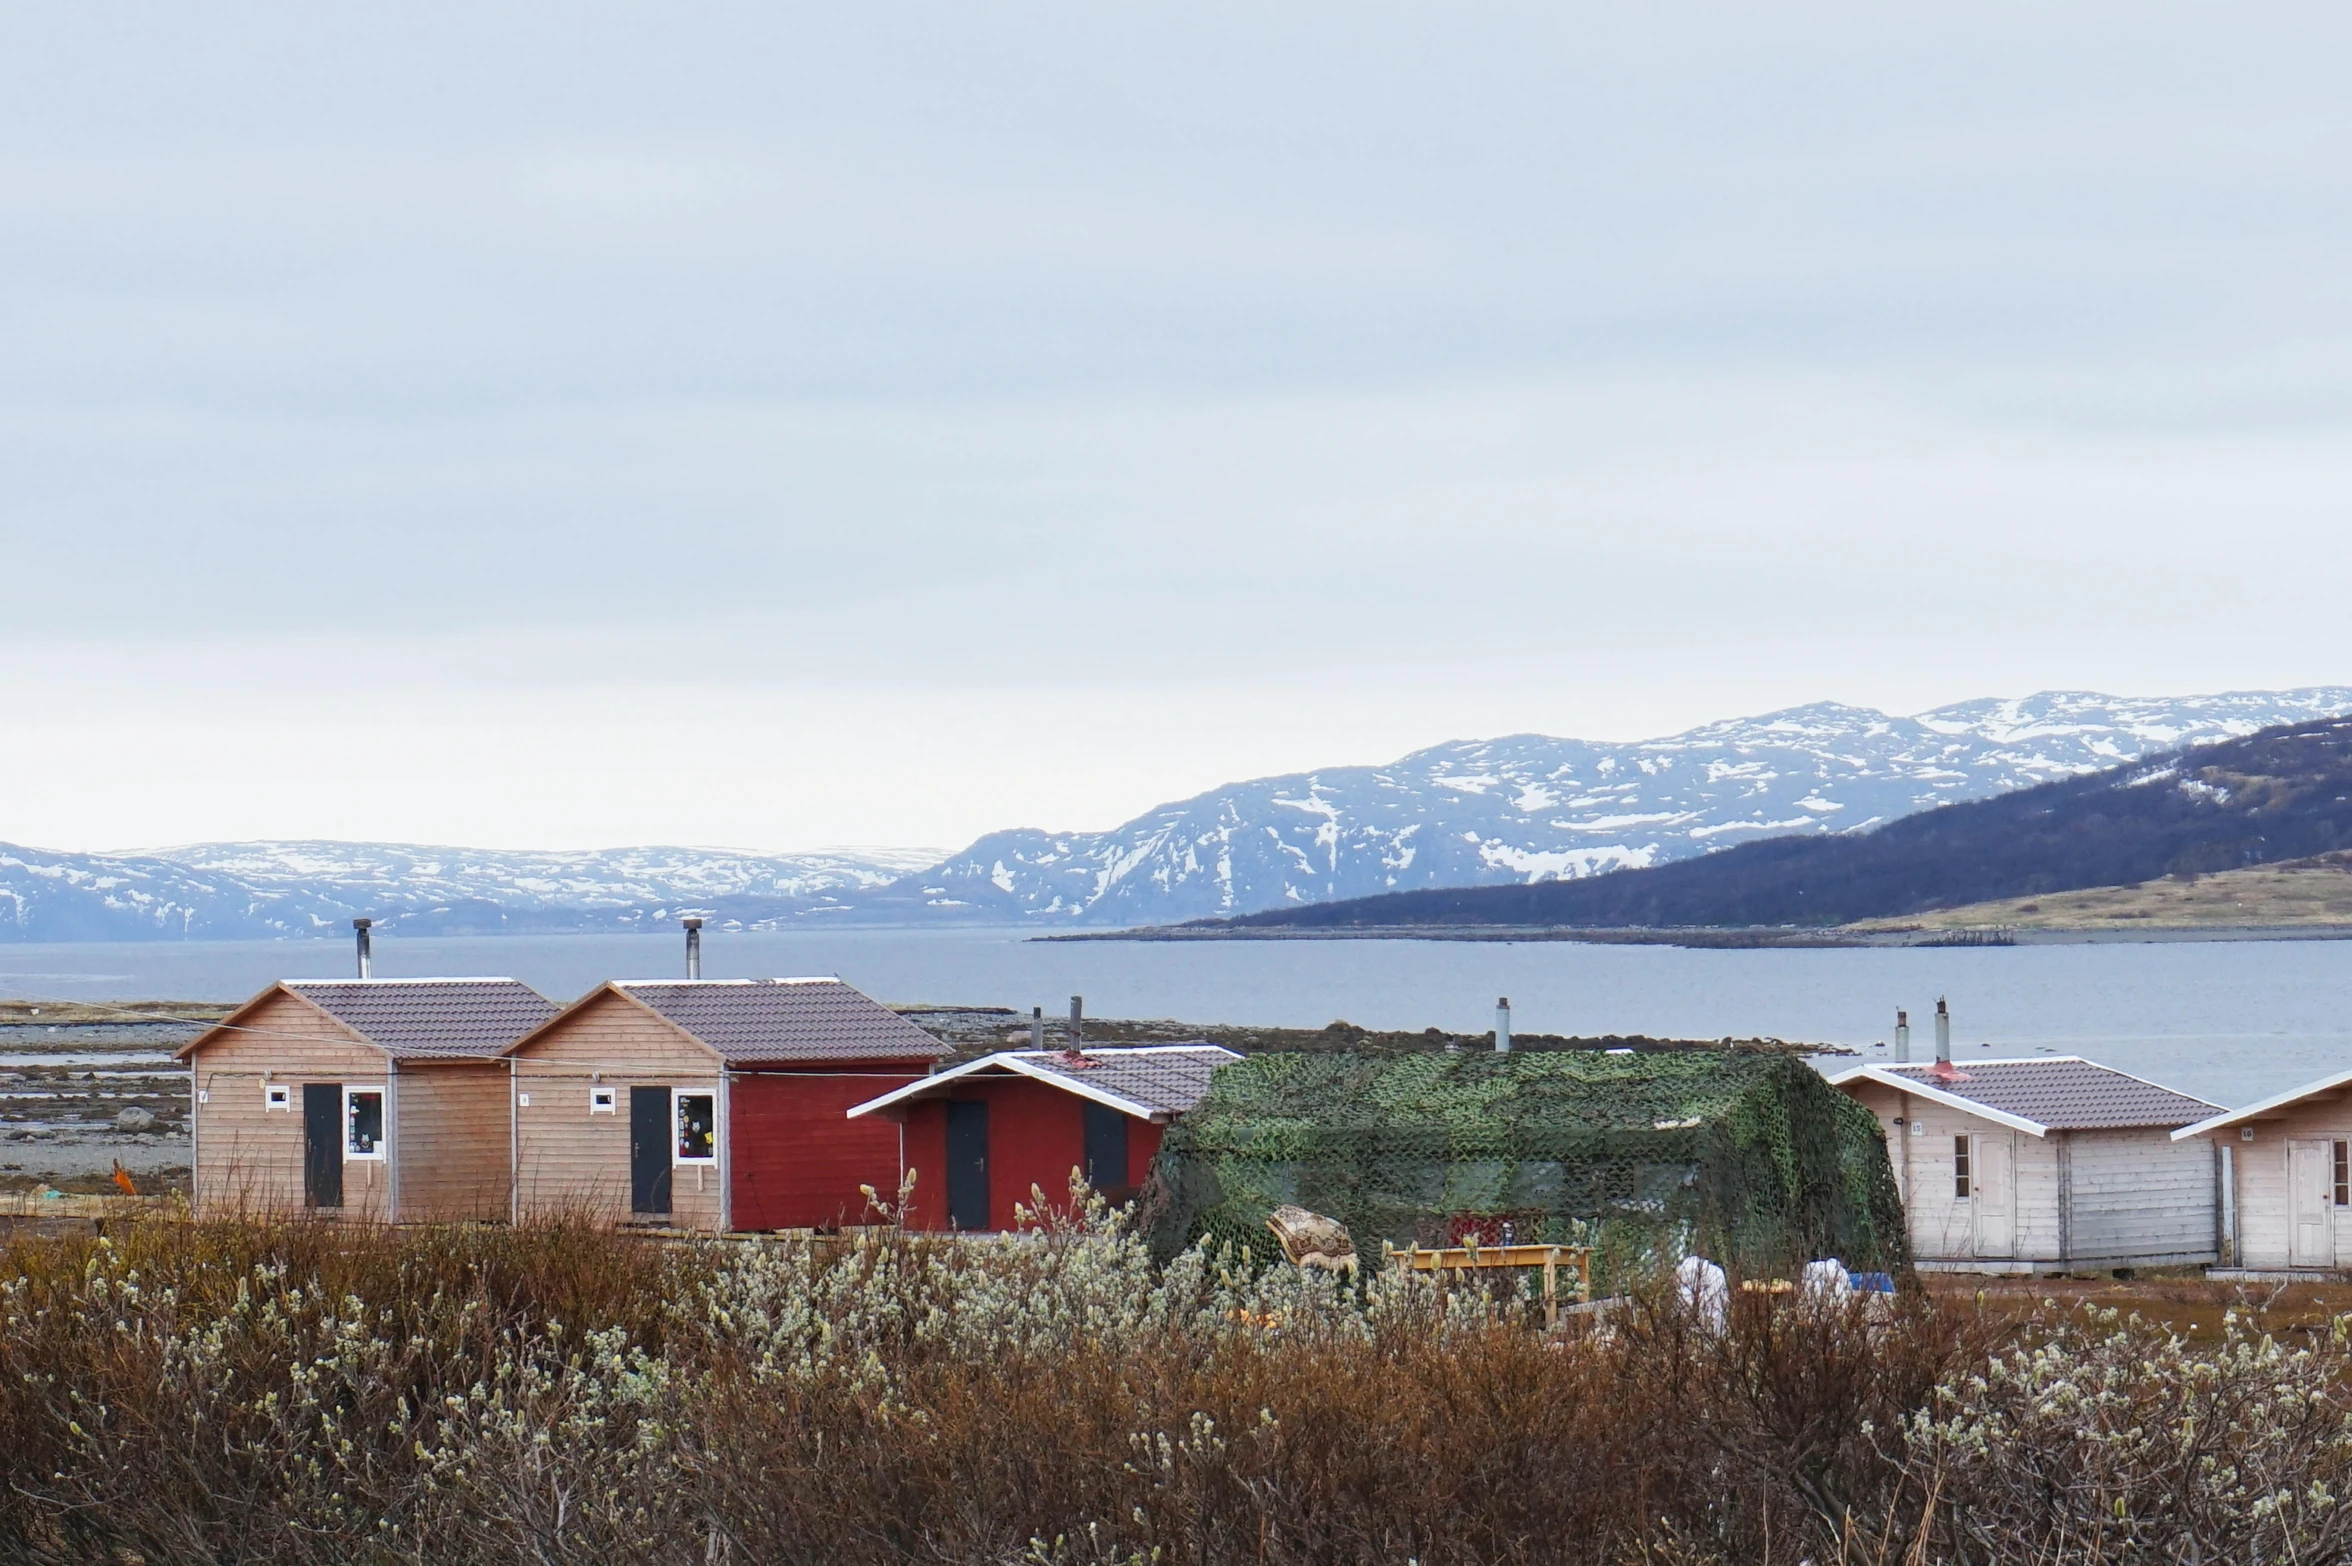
2047,1164
2287,1178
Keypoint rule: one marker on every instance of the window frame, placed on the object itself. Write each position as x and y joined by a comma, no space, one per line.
2342,1170
1963,1168
277,1097
354,1090
678,1156
604,1101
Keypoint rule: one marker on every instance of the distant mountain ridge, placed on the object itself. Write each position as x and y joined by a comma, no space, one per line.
234,891
2281,795
1520,810
1529,808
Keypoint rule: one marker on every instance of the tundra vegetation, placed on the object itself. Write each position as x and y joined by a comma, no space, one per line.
303,1392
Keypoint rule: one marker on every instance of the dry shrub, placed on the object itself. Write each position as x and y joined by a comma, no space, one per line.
308,1393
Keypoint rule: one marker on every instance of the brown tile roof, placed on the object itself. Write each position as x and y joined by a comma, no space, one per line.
2058,1092
1166,1079
782,1021
431,1019
1152,1081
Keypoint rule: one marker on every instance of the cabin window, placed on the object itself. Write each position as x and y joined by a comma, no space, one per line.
2344,1174
363,1122
276,1095
602,1099
1960,1169
697,1119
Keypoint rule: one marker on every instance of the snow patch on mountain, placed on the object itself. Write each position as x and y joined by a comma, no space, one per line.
231,891
1522,808
1529,807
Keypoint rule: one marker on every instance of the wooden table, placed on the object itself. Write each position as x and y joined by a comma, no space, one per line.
1480,1258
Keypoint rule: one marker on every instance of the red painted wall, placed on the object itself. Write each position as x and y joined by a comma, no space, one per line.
1036,1136
796,1159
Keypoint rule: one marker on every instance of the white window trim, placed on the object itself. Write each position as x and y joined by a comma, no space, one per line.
679,1160
276,1096
604,1101
383,1097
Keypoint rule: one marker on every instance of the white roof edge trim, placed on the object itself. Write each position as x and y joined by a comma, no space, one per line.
916,1086
2293,1095
1131,1049
1105,1096
1010,1060
1967,1106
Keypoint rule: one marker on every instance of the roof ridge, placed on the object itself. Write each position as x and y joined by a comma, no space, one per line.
501,978
647,984
1127,1049
2002,1060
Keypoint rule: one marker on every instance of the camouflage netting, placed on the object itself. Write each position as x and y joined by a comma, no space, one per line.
1749,1159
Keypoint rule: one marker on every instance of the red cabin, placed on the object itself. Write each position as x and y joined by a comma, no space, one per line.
981,1137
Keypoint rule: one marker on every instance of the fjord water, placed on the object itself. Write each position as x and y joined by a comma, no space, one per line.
2231,1021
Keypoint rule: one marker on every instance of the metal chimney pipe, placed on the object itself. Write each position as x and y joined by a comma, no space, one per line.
367,964
1037,1027
1902,1037
1502,1024
1077,1022
693,947
1943,1033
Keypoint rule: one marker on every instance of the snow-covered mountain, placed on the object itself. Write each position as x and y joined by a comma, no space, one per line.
1531,808
222,891
1468,813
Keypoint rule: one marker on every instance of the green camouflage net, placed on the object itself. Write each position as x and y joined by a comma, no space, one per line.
1749,1159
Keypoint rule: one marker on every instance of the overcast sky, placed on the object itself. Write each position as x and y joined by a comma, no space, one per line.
788,425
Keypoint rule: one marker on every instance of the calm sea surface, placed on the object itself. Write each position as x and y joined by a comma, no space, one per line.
2228,1021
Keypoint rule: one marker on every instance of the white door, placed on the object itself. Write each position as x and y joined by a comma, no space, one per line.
1994,1185
2311,1203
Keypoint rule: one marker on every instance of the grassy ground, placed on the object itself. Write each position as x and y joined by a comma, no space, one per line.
2297,894
2182,1301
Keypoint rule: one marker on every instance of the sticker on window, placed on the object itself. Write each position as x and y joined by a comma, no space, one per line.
697,1128
363,1120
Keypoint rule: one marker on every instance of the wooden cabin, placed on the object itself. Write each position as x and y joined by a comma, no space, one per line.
997,1132
2285,1166
715,1104
380,1099
2047,1164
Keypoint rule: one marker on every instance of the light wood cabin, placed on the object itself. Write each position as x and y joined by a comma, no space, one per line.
711,1104
372,1099
2047,1164
598,1095
2287,1178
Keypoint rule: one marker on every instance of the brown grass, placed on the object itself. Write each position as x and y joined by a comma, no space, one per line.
2299,893
315,1393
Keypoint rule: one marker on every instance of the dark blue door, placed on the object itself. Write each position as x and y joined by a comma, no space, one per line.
1106,1150
967,1164
322,1144
649,1149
